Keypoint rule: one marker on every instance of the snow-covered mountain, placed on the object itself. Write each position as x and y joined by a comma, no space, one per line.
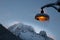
27,32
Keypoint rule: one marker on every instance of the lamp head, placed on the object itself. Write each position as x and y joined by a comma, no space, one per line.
42,16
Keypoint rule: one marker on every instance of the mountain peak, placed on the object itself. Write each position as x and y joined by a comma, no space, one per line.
27,32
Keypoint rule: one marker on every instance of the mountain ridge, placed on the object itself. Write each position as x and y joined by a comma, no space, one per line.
27,32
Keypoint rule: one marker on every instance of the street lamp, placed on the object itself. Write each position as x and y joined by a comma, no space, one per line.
42,16
45,17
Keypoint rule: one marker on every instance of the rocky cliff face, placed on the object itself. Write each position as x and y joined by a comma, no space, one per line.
27,32
7,35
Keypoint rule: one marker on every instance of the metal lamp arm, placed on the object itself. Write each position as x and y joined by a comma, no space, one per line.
52,5
48,5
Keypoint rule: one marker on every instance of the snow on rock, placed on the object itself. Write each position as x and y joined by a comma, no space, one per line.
27,32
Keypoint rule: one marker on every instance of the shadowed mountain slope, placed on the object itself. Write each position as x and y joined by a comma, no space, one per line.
5,34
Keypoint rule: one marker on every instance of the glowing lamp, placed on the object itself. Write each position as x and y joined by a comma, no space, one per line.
42,17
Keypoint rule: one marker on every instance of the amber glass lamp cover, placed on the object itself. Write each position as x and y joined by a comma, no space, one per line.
42,16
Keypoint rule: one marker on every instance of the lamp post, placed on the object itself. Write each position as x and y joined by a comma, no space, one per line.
45,17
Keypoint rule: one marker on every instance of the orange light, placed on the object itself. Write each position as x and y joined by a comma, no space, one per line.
42,18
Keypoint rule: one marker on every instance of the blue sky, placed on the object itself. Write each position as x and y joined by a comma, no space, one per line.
24,11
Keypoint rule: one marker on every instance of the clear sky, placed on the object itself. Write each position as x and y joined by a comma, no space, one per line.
14,11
